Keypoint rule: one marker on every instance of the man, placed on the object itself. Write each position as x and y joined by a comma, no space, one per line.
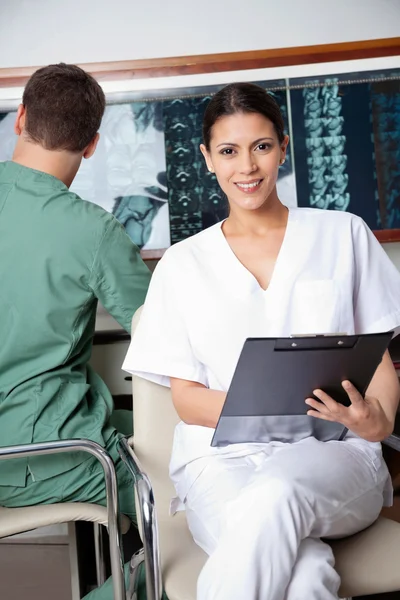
59,255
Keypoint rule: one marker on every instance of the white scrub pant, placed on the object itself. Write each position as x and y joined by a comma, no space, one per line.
260,517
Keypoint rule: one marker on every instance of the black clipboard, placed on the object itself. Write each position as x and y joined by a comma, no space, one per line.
274,376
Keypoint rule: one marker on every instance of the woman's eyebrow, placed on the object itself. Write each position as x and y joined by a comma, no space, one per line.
252,143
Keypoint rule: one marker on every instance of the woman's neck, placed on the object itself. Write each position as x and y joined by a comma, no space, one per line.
256,222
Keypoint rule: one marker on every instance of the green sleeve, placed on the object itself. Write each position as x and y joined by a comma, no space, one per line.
119,278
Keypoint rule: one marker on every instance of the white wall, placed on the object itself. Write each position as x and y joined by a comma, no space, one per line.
37,32
393,251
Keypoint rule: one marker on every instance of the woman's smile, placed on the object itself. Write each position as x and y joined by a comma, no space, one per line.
249,187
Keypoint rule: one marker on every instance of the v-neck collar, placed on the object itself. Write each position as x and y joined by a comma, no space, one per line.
282,262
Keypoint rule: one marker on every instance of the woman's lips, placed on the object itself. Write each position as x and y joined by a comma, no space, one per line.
249,187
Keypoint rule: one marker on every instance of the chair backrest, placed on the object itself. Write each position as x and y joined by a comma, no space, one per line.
155,419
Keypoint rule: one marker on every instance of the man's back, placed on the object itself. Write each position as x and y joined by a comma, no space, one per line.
59,254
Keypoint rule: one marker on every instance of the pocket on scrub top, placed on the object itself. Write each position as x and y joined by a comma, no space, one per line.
315,307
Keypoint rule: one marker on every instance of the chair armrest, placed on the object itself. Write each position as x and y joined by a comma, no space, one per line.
393,441
132,463
57,447
148,518
82,445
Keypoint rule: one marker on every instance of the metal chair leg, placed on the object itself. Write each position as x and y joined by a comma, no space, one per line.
148,520
136,560
99,554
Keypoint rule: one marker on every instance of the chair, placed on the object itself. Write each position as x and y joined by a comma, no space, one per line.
18,520
367,562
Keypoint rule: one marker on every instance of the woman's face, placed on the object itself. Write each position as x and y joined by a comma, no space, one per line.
245,155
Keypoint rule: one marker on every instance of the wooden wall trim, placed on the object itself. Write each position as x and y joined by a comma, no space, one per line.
229,61
152,254
387,235
384,236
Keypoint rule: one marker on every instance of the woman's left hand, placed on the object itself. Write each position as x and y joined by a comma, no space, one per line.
365,416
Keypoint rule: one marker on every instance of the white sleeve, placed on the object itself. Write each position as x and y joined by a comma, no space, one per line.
160,347
376,285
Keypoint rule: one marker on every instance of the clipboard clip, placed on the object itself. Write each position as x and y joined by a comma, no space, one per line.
316,335
316,342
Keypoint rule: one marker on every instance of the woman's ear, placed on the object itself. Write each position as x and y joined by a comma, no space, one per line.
207,158
284,146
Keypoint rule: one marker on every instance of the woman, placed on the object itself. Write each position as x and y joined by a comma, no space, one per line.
259,510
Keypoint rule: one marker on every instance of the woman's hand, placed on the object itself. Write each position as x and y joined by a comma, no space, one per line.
372,417
365,416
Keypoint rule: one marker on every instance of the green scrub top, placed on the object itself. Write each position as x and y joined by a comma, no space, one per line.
58,255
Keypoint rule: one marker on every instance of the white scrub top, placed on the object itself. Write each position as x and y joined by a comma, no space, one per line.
331,275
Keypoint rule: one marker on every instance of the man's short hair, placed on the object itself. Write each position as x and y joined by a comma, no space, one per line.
64,107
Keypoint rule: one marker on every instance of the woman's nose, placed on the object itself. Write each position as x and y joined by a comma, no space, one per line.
247,164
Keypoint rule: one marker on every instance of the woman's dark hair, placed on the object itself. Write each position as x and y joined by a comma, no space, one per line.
242,98
64,107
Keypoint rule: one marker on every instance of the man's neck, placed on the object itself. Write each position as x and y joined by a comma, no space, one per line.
59,163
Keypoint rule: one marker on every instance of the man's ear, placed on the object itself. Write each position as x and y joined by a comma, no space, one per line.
19,124
91,147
